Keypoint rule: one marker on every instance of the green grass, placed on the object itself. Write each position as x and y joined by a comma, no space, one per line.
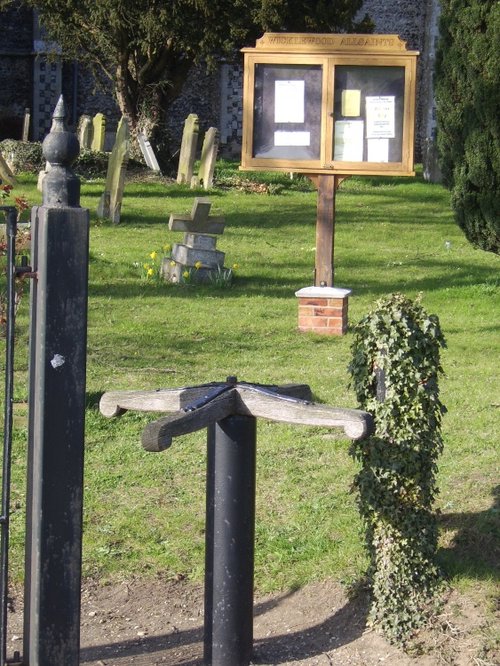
144,512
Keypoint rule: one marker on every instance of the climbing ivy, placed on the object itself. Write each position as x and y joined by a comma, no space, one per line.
394,369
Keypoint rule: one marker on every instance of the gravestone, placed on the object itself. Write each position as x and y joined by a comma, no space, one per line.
188,149
111,199
98,132
41,176
26,125
85,132
197,254
148,152
6,175
208,157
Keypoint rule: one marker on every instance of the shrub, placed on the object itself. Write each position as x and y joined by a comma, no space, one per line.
394,369
24,156
468,101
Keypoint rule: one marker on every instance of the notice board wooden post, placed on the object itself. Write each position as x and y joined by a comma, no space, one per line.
324,269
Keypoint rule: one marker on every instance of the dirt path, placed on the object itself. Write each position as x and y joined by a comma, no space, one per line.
151,623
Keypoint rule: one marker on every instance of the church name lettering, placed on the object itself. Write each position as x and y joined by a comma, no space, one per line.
325,40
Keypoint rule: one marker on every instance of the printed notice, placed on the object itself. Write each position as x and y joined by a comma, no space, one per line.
351,102
378,150
380,117
289,101
348,141
292,138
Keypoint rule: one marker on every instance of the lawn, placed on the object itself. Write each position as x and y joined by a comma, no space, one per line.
144,512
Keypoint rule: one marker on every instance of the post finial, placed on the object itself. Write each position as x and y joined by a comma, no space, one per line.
60,148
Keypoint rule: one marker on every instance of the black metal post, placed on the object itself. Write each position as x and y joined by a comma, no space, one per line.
57,411
230,530
11,226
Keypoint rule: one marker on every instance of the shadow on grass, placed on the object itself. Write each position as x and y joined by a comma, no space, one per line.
185,646
475,546
433,274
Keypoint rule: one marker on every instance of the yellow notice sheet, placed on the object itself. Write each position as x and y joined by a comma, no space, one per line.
351,103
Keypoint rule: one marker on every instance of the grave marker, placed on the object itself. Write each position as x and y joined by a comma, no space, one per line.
26,125
188,149
111,199
148,152
99,132
6,175
208,157
85,132
198,251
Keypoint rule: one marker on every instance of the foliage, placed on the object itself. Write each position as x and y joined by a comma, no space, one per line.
151,269
147,47
468,105
23,156
91,164
395,369
22,246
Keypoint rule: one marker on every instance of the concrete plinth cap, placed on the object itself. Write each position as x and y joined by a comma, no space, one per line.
322,292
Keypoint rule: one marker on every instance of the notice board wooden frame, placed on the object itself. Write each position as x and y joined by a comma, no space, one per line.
327,52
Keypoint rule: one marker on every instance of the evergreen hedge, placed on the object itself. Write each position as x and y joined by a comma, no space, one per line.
468,111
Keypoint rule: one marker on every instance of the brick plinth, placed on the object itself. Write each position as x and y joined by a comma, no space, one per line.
323,310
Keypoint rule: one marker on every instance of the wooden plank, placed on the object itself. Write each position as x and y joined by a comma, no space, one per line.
157,436
355,422
115,403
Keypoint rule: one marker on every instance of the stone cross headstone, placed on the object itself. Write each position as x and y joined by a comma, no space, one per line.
188,149
26,125
111,199
98,132
84,132
148,152
207,161
197,253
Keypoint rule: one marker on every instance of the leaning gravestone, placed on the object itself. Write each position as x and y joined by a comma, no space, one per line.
208,158
111,199
188,149
148,152
85,132
197,253
6,175
98,132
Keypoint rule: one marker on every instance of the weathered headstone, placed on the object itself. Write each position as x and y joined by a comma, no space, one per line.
26,125
98,132
148,152
85,132
198,252
432,170
207,161
111,199
41,176
6,175
188,149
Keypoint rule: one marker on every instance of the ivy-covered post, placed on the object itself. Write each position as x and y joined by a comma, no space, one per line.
395,368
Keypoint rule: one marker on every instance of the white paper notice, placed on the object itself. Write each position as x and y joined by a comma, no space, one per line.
380,117
292,138
348,141
289,101
378,150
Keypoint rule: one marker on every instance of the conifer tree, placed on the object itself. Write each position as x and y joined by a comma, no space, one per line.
468,113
